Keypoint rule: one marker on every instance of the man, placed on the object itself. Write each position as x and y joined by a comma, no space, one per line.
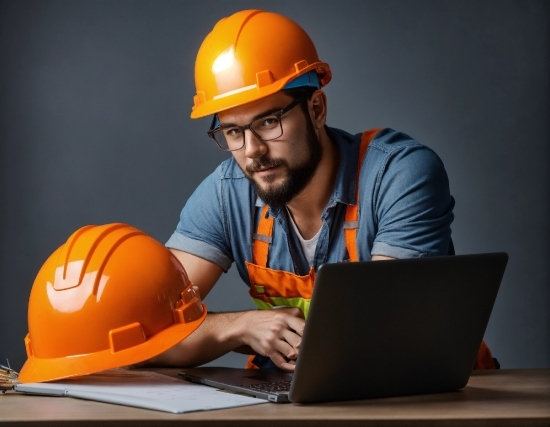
295,193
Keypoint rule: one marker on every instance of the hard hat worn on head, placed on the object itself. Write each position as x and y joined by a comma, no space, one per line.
250,55
110,296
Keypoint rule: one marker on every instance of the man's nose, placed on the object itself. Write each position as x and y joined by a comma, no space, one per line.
253,146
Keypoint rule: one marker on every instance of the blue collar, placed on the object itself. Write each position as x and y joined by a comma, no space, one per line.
346,179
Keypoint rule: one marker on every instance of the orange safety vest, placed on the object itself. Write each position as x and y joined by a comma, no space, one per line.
277,288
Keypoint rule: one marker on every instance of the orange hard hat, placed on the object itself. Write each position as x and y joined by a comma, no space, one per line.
111,296
250,55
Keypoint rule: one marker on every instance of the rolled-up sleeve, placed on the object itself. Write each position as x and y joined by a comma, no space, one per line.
201,230
413,205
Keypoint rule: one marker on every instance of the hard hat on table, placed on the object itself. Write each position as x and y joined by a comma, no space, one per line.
110,296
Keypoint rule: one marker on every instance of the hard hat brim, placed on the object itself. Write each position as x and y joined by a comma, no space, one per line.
42,370
238,98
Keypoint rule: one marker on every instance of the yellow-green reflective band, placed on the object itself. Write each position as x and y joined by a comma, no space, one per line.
301,303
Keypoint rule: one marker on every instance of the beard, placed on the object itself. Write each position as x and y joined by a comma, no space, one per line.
298,177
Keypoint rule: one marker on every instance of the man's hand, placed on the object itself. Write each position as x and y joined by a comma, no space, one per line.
275,333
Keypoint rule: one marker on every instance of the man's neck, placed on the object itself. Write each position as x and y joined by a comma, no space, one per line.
306,208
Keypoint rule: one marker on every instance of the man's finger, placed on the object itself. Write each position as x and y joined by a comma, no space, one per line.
285,349
281,362
288,366
293,339
296,324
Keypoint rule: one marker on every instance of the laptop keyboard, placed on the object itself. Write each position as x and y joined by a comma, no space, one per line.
279,387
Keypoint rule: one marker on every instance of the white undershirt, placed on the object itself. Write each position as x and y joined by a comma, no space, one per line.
308,246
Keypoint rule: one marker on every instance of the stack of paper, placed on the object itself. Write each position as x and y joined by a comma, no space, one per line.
142,389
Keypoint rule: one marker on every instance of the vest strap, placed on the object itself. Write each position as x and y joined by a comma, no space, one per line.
263,238
264,235
351,221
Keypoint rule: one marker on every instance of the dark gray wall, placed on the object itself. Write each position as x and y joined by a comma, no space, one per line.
95,128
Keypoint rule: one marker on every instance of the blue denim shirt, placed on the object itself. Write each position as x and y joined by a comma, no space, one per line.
405,209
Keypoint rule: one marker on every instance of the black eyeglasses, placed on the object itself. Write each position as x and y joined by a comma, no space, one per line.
267,128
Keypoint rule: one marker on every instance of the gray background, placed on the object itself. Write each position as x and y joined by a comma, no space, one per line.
95,102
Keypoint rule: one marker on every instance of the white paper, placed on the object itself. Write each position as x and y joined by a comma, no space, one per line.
142,389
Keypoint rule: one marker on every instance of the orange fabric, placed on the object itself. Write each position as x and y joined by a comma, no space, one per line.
260,249
278,283
250,364
484,359
352,211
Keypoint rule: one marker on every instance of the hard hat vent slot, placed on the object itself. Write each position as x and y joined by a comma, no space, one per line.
299,66
28,346
264,78
199,98
126,337
188,294
189,307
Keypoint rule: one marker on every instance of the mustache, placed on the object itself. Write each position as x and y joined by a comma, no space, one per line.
259,164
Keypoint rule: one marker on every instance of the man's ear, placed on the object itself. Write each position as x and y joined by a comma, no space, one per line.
318,108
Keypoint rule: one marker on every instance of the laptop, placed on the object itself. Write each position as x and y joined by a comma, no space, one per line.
379,329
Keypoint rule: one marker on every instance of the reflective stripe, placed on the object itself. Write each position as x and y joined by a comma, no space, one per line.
351,225
263,238
300,303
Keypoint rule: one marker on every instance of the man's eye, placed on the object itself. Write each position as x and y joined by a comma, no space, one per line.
270,121
232,132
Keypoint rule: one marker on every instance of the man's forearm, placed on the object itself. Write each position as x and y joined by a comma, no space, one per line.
219,334
276,334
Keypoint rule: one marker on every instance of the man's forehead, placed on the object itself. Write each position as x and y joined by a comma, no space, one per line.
247,112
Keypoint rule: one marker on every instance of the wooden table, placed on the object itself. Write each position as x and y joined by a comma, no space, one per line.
491,398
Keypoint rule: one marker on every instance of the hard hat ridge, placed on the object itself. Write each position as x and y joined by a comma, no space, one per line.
74,259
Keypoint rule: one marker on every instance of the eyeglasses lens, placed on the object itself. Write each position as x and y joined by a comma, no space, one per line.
265,128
